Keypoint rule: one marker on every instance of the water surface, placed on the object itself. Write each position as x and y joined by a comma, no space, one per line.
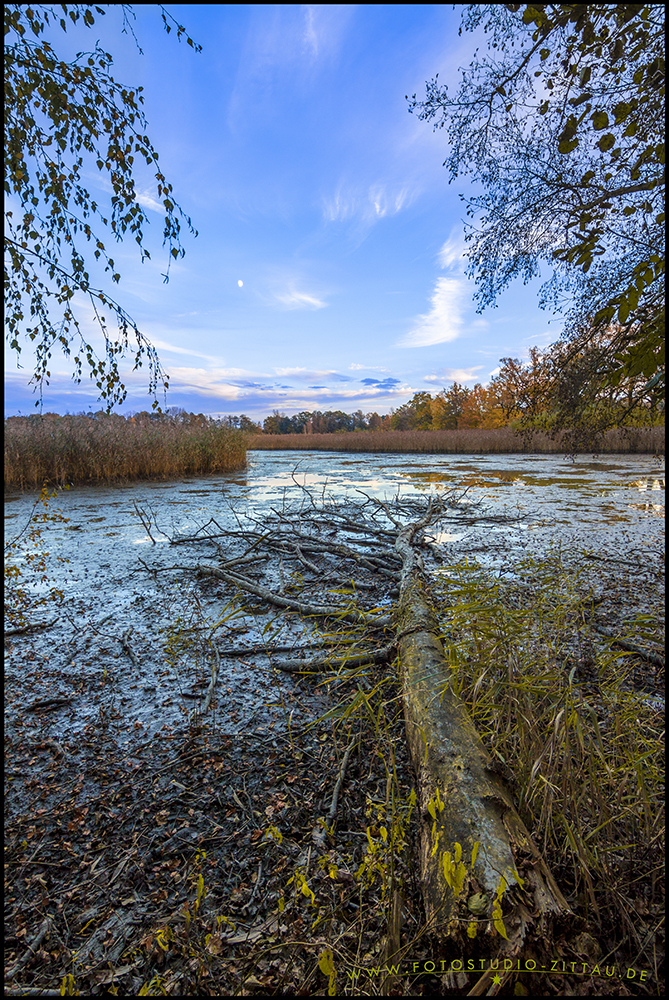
612,507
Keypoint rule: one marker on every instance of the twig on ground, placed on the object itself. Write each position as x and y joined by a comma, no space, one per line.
319,832
29,628
125,643
631,647
331,663
320,610
44,929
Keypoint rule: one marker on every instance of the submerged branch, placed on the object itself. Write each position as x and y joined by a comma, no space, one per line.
315,610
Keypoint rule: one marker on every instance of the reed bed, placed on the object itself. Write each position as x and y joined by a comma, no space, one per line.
109,448
503,440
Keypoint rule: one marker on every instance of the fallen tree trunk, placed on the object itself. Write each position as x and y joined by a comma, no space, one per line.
481,874
480,870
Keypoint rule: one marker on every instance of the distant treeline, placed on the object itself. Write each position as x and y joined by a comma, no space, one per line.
502,440
501,404
451,409
106,448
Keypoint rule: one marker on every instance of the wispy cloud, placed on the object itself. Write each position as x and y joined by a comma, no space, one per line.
259,396
455,375
285,44
324,26
444,320
452,254
147,200
386,383
366,205
293,299
311,375
163,345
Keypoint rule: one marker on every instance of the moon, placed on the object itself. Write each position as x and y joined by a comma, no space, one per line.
240,283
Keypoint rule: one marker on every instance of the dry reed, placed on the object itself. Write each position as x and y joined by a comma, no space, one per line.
109,448
503,440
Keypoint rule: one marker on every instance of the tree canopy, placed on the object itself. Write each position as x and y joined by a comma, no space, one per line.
62,120
561,125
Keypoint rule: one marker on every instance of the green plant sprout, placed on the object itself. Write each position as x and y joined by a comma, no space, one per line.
27,563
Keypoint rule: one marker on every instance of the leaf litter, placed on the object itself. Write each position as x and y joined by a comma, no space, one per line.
192,854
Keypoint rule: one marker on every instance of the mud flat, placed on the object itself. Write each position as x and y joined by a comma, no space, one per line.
611,507
160,724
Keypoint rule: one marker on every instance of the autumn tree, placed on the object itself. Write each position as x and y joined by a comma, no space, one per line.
448,407
64,120
480,409
416,415
561,124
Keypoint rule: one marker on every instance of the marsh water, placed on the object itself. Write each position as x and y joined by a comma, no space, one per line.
609,506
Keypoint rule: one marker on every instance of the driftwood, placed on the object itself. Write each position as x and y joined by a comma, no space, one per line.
127,648
480,870
334,662
321,831
481,875
317,610
28,628
646,654
42,933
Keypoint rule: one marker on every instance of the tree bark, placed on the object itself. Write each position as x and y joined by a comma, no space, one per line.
462,796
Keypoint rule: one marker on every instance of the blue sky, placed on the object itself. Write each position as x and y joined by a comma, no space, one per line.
328,270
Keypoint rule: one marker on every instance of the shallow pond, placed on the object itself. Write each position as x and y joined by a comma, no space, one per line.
611,506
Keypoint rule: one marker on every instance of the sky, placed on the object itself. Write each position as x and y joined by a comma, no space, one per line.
328,270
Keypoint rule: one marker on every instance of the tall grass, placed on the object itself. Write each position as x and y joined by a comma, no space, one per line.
109,448
503,440
585,747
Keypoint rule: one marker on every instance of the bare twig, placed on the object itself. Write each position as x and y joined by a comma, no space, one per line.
320,610
125,643
44,929
212,686
330,663
319,832
29,628
647,654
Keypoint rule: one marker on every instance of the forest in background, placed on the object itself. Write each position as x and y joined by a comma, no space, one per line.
540,394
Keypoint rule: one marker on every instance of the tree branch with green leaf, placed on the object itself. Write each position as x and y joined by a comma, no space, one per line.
61,119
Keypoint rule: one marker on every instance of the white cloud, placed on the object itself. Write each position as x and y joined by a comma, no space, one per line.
452,253
147,200
541,339
300,300
367,206
163,345
455,375
463,374
324,28
442,324
385,202
304,373
204,381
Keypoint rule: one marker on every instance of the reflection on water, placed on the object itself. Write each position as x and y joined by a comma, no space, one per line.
648,484
557,497
518,506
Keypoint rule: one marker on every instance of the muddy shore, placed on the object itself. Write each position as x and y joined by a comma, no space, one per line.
117,798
